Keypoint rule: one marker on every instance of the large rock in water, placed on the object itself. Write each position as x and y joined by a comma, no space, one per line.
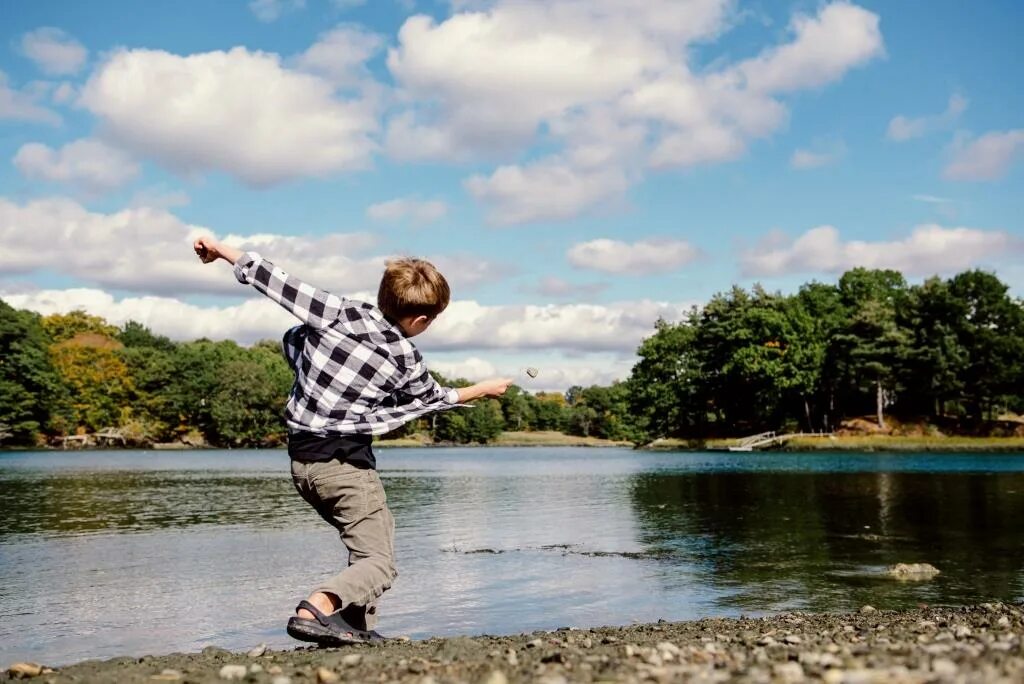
912,571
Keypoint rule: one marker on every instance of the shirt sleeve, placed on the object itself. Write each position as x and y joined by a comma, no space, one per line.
422,385
313,306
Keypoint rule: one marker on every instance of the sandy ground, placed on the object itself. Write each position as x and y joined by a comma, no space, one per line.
969,644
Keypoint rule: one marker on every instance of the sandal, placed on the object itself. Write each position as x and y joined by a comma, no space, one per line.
327,630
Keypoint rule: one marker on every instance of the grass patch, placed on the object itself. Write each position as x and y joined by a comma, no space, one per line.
552,438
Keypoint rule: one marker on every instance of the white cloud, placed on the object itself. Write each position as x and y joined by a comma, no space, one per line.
21,105
64,93
465,326
903,128
821,155
929,249
557,371
202,112
54,51
402,208
269,11
825,47
88,164
147,249
599,80
549,189
340,55
639,258
986,158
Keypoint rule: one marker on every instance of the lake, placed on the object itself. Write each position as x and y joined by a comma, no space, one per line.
106,553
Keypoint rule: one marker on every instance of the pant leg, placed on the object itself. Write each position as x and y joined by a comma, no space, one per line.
354,502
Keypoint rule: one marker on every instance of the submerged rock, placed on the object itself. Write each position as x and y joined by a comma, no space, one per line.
912,571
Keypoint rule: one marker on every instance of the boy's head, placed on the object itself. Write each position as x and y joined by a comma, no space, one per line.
412,294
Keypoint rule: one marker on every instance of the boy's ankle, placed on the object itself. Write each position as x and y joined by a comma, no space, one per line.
325,603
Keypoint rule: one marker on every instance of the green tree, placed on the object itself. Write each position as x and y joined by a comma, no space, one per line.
29,385
991,331
871,346
247,407
665,388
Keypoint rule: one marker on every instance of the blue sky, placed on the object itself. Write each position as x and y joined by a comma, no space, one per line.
577,168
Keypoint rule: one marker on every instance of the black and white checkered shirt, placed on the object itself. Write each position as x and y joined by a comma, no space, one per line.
355,371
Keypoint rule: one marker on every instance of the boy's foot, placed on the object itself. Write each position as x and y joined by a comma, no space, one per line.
326,630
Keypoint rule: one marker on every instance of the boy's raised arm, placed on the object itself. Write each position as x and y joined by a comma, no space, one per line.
314,307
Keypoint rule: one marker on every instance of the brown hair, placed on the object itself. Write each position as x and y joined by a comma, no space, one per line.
412,287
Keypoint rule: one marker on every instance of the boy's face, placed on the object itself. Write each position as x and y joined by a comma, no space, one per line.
414,325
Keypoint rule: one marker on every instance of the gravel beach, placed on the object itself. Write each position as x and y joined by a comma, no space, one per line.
964,644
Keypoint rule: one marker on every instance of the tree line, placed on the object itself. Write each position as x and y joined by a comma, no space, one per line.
67,374
950,351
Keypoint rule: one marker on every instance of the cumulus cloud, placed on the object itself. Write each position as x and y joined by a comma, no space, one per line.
821,155
54,51
904,128
407,208
550,189
269,11
87,164
465,326
494,78
21,105
986,158
340,55
148,249
825,47
638,258
558,372
202,112
929,249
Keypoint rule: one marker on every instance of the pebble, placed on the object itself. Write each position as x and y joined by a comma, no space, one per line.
274,670
511,657
325,676
944,667
351,659
536,643
233,672
257,651
1003,622
255,668
587,642
496,677
166,676
281,679
792,639
865,610
789,672
962,632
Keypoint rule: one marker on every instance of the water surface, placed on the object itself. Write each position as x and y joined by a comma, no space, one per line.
133,552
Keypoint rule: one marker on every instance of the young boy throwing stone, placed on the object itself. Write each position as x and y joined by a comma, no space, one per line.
357,374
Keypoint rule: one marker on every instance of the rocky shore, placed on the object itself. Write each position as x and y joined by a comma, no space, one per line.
970,644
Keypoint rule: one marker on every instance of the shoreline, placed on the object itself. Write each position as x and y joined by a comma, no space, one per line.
965,644
844,443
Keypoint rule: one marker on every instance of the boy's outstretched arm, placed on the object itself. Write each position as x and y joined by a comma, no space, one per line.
314,307
423,386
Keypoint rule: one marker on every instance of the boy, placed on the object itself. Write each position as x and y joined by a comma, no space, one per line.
357,374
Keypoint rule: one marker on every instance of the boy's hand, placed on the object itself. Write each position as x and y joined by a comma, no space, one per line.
209,250
495,387
206,249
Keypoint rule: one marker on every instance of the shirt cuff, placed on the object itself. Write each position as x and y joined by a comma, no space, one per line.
242,266
452,396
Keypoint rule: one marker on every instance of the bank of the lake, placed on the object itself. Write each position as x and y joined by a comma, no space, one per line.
863,443
969,644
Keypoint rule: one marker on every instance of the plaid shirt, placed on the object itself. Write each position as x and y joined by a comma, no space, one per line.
355,371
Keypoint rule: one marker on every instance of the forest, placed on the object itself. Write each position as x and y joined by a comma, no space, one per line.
949,352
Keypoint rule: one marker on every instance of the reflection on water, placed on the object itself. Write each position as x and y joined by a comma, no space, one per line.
140,552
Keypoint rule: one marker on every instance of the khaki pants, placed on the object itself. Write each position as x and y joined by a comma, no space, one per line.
353,501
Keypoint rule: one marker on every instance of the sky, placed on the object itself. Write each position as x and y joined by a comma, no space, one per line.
576,168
